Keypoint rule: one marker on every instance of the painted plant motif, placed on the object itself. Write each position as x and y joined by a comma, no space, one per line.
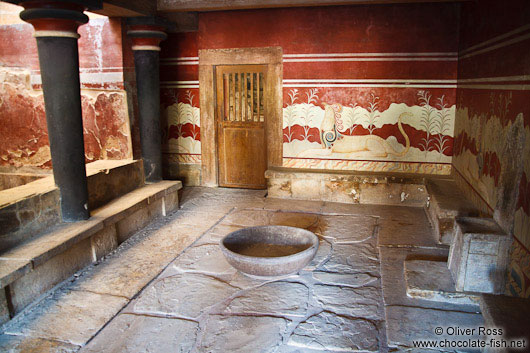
183,121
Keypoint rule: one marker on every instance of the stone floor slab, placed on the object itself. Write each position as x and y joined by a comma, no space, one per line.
347,229
362,302
186,295
274,299
67,316
242,334
205,258
353,280
137,334
407,324
352,258
335,333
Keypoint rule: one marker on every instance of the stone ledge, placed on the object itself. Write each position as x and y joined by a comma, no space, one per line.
348,186
36,254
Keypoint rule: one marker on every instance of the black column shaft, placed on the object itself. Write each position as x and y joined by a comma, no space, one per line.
59,65
148,83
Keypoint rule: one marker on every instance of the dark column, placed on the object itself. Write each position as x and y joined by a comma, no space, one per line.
56,26
146,34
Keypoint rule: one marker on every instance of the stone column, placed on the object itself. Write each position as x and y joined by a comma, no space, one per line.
56,26
146,34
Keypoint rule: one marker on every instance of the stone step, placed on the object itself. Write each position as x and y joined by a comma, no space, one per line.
431,280
33,267
445,204
28,210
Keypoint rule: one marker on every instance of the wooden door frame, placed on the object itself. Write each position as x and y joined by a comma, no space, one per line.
208,59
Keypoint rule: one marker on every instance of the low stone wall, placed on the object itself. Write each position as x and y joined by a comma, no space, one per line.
347,187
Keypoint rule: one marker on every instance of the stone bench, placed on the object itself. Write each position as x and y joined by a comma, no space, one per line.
30,269
479,255
378,188
27,210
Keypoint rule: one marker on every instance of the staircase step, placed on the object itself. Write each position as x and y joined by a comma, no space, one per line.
431,280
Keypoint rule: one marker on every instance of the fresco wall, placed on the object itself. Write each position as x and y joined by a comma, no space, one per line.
492,131
23,129
367,88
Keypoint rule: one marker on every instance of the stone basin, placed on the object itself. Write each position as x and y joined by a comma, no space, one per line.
269,251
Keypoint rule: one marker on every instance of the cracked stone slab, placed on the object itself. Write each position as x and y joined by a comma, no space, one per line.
217,233
405,324
354,280
205,258
347,229
362,302
136,333
23,344
186,295
67,316
352,258
323,252
329,332
242,334
275,298
276,204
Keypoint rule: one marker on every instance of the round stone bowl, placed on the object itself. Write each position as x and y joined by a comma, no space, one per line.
269,251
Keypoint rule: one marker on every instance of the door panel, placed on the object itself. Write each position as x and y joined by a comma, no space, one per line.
242,148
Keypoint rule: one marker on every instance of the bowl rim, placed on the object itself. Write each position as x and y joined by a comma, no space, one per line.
272,260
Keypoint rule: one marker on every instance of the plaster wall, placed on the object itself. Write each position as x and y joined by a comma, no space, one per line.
104,98
491,157
368,64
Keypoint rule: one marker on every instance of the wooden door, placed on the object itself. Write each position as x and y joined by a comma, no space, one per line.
241,118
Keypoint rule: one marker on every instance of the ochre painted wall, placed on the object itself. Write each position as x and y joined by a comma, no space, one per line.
370,64
492,131
105,109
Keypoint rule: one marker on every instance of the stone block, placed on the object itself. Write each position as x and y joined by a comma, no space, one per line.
104,241
345,191
431,280
131,224
280,187
479,255
306,189
4,309
171,202
27,288
393,194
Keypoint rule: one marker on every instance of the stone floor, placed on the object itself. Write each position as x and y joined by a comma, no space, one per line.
168,288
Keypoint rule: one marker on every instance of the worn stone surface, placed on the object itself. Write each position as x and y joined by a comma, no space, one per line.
277,298
135,333
431,280
11,269
67,316
346,229
322,255
407,226
346,280
242,334
355,302
352,258
394,283
182,295
205,259
23,344
329,332
406,324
